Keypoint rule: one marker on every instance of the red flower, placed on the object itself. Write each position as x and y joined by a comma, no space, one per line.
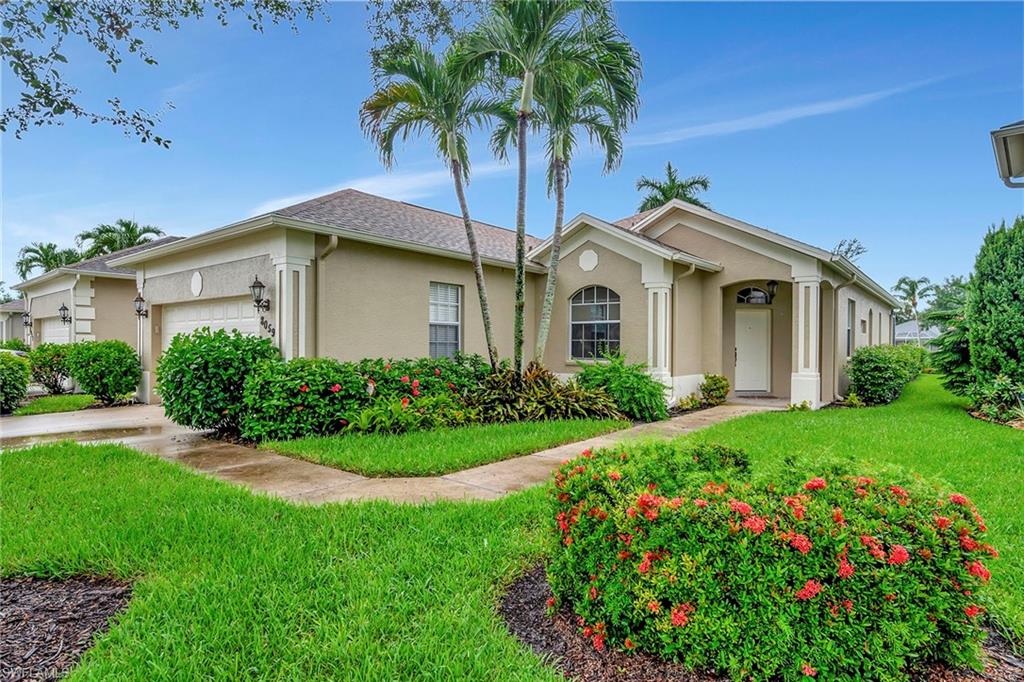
681,614
848,605
800,543
303,388
902,496
755,524
864,481
810,590
629,643
451,386
700,503
387,365
437,372
797,506
614,475
405,379
551,602
977,569
816,483
898,555
741,508
806,669
968,543
837,516
335,388
846,569
675,503
943,522
593,592
653,607
874,546
599,641
973,610
405,403
415,383
957,498
648,561
415,392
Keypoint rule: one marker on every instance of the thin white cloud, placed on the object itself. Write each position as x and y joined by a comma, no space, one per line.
770,119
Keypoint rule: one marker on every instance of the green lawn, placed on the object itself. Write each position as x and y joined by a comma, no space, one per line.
926,431
432,453
231,585
56,403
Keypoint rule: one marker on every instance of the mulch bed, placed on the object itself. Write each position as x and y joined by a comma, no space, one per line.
48,624
557,639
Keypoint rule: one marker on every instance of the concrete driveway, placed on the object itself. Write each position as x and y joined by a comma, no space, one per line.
145,428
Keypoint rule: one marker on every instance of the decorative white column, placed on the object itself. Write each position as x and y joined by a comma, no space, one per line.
290,274
805,384
659,330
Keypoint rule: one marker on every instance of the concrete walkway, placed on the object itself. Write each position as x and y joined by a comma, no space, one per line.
145,428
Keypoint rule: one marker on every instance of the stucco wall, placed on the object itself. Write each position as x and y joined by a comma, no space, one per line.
880,332
220,280
687,322
115,314
374,301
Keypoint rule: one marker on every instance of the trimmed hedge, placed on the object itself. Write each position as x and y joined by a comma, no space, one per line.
636,393
49,363
878,373
109,370
15,344
200,376
828,570
14,375
714,390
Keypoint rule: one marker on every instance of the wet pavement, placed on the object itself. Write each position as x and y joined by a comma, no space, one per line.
145,428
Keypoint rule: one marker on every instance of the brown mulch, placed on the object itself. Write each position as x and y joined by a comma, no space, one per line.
557,639
1013,424
46,625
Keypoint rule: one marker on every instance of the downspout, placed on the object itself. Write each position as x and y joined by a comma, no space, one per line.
332,246
835,334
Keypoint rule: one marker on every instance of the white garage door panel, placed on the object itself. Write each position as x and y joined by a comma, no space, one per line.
219,313
55,331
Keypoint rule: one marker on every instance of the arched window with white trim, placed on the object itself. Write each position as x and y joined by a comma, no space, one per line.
753,296
594,323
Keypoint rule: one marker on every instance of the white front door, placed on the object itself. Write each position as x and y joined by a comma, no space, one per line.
753,349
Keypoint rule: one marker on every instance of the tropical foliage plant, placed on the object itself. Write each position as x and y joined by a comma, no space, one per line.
538,395
714,390
44,256
660,192
108,238
636,393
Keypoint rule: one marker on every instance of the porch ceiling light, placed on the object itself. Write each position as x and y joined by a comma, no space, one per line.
773,288
65,314
140,306
257,289
1008,145
26,319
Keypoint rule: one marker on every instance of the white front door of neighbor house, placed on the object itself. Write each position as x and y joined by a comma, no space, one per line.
216,313
55,331
753,349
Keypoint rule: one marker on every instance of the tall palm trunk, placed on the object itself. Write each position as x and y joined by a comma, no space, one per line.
544,325
478,266
520,276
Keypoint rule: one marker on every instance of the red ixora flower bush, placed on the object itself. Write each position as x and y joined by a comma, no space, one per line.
679,551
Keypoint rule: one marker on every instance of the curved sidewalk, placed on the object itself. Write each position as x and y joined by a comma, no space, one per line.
144,427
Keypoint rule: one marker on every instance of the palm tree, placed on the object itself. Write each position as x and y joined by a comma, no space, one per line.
660,192
910,291
533,42
46,256
565,109
425,95
123,234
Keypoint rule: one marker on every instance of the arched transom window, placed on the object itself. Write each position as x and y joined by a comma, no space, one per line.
594,324
753,296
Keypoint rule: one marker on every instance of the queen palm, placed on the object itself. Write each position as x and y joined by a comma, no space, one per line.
534,42
567,110
660,192
45,256
123,234
910,291
425,95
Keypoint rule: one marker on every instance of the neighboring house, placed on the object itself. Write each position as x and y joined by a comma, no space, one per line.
11,324
690,291
96,298
910,332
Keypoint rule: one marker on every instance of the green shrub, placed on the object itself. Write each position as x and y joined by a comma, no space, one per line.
301,397
853,400
914,357
432,376
831,571
538,395
995,306
714,390
689,403
15,344
878,374
109,370
636,393
49,363
399,415
14,373
200,376
1001,400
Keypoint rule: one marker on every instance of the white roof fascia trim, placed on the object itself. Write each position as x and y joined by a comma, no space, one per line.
844,265
232,230
50,274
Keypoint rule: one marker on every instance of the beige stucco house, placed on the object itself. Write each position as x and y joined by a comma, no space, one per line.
94,297
687,290
11,323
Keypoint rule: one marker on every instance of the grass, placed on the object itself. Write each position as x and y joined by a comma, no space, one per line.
926,431
68,402
432,453
231,585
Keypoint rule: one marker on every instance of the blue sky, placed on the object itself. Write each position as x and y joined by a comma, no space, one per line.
821,121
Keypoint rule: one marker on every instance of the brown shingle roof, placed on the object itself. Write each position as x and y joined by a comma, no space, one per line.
351,209
101,264
15,306
632,220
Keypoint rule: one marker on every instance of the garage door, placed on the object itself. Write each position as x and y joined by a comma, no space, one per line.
55,331
218,313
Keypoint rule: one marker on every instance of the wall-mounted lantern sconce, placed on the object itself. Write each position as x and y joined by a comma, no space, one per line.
65,314
257,289
773,288
26,319
140,307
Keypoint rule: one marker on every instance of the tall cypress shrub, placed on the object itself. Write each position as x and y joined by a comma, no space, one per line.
995,305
